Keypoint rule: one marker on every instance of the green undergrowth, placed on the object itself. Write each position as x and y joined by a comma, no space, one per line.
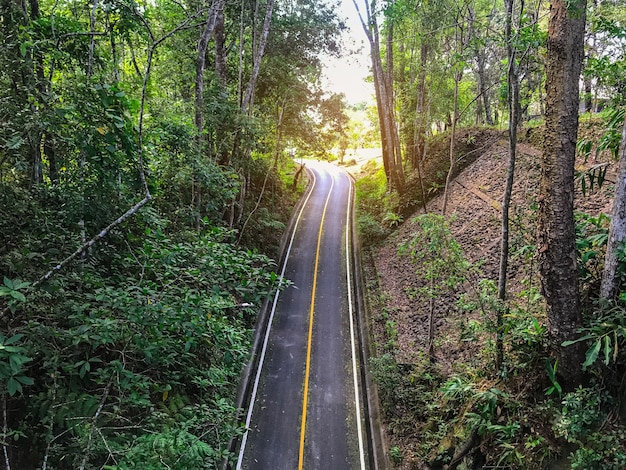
131,357
515,415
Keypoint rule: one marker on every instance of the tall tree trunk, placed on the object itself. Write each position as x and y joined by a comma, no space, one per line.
258,56
421,105
201,141
279,132
451,150
114,53
459,41
482,87
617,230
382,122
260,40
221,142
514,118
420,171
203,44
556,234
484,105
391,108
37,78
389,135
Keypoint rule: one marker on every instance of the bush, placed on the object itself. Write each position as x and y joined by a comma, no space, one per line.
370,230
136,364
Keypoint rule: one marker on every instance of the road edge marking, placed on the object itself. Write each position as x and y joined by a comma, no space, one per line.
352,334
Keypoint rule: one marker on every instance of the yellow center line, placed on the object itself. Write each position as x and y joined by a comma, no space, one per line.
310,337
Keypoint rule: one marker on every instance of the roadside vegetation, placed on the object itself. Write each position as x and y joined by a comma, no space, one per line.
495,262
449,394
146,177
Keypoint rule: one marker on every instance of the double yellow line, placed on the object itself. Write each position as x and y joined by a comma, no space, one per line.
307,369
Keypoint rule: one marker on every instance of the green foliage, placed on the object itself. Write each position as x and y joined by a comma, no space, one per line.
579,414
606,335
602,450
393,220
157,337
437,254
396,455
524,335
491,413
375,205
551,372
608,142
409,397
592,234
136,347
12,290
607,64
591,178
371,191
580,421
370,230
12,364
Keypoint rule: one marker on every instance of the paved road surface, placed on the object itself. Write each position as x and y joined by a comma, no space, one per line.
306,410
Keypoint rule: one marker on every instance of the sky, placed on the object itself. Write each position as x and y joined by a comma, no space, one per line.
347,74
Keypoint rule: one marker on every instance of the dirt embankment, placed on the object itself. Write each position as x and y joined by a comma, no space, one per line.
474,210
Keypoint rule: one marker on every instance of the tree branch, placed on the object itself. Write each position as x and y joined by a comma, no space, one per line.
103,233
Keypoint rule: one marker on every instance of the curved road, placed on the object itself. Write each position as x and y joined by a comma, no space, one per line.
306,410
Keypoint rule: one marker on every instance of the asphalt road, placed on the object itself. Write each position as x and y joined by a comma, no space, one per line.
306,409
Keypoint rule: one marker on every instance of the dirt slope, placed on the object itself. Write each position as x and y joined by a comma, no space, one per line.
475,210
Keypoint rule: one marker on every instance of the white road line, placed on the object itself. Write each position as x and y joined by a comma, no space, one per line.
352,337
244,439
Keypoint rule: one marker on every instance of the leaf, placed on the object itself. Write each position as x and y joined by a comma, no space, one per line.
86,367
592,354
574,341
8,283
25,380
20,285
14,339
14,143
17,360
13,386
18,296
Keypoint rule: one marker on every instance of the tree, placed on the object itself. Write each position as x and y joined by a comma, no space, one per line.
617,230
440,263
383,88
457,71
214,11
514,117
556,235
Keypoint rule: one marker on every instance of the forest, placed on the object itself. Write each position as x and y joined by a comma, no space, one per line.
145,179
494,232
147,174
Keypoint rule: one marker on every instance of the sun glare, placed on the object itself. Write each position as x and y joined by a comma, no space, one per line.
348,74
